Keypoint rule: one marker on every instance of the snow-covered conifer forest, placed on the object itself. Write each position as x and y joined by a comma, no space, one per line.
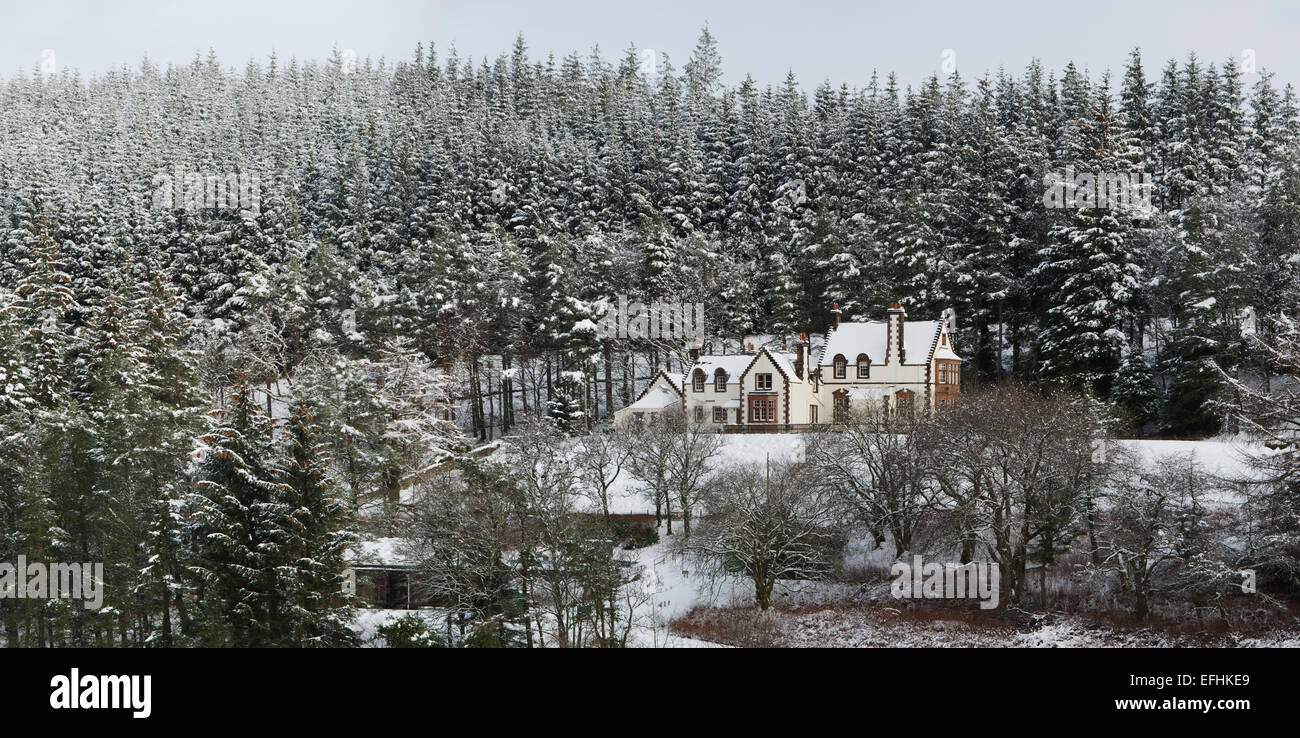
256,317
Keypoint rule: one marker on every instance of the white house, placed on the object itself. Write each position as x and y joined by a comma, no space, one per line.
903,364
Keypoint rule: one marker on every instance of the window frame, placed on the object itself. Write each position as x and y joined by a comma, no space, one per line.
768,404
840,407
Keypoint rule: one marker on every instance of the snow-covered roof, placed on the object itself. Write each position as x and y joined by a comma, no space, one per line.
785,362
943,352
732,364
870,338
656,397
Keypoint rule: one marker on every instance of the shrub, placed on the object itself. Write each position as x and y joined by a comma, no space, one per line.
409,631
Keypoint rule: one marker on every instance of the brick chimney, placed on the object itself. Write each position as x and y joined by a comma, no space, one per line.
835,315
694,350
896,317
800,354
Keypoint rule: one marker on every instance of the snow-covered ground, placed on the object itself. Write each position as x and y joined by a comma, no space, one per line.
1222,457
878,626
756,448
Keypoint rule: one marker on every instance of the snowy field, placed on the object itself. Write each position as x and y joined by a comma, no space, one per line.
1226,458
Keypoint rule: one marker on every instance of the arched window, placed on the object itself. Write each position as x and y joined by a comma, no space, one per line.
841,366
864,366
697,379
719,381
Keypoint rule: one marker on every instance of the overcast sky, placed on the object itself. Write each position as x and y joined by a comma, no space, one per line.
840,41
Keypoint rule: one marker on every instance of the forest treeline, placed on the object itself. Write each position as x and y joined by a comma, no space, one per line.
425,227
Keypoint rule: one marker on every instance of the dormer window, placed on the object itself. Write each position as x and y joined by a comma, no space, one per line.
864,366
697,380
719,381
841,367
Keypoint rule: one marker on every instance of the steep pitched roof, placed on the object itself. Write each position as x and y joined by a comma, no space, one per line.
733,364
870,338
782,362
674,383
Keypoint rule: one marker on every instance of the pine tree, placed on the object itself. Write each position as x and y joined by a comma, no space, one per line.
1088,273
237,529
310,579
1134,391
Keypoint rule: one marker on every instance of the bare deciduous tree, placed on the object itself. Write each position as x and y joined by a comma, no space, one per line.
459,534
691,458
873,466
1011,463
600,458
1156,536
1272,413
649,459
769,525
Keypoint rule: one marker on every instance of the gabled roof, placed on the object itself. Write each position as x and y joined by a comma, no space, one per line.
782,362
870,338
656,397
674,383
785,363
733,364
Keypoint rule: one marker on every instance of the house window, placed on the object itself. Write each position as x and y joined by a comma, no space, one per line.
762,381
864,366
905,403
840,406
697,380
762,409
943,373
841,367
812,413
699,415
719,381
719,415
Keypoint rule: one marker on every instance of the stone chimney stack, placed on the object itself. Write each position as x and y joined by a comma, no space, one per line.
800,355
896,317
835,315
694,350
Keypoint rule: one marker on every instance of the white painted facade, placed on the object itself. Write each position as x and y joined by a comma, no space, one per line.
894,361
